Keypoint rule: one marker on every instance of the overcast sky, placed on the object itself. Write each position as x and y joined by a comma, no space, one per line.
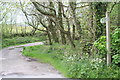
20,18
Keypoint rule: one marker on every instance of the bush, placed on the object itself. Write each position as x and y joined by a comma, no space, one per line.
88,68
101,45
115,44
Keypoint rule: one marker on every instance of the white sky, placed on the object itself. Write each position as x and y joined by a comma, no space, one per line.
15,13
20,18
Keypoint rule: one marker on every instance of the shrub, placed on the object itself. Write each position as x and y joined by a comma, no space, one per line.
115,44
88,68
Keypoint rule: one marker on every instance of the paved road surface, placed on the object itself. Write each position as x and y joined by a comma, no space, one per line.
14,65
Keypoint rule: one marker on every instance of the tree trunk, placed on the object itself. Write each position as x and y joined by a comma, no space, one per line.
100,10
63,39
69,35
51,27
118,22
76,22
73,36
70,39
49,36
53,31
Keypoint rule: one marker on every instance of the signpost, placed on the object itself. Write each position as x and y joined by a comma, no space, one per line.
108,39
107,21
103,20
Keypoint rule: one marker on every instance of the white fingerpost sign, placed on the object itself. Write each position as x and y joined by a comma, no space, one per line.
103,20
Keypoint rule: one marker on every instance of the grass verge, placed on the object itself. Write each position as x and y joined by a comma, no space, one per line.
6,42
45,55
70,63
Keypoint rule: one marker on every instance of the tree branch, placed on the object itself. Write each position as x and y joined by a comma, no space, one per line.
112,7
24,11
46,6
36,28
83,6
42,11
3,17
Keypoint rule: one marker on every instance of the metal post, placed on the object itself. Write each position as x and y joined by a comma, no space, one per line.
108,39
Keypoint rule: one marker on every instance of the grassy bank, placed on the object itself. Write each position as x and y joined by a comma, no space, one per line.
18,40
46,55
70,63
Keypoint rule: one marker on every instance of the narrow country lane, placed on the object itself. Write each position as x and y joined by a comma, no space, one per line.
14,65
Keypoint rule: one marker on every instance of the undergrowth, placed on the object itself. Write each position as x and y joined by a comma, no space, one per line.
71,62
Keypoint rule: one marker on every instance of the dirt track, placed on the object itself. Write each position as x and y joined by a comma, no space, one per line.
14,65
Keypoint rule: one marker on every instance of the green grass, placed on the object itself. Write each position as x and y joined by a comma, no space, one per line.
45,55
67,61
6,42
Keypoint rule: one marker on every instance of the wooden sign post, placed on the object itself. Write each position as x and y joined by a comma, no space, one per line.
108,39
